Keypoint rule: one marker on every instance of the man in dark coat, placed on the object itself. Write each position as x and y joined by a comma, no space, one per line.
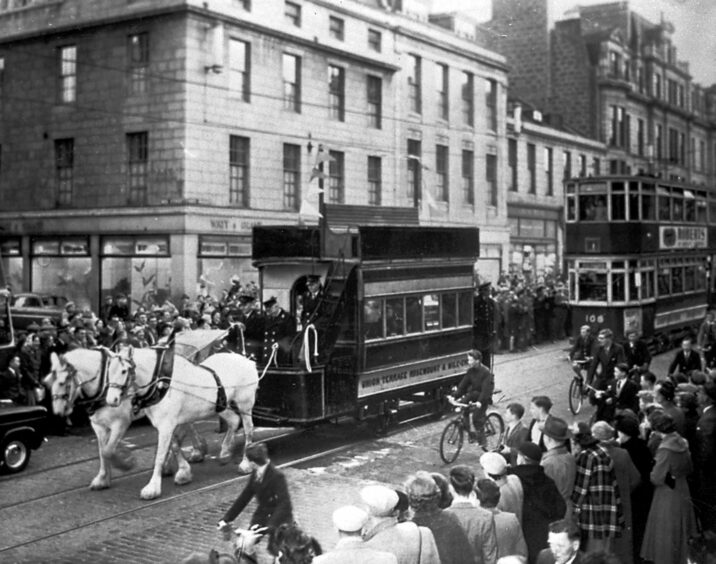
542,501
637,353
11,386
582,349
484,331
268,485
251,322
476,386
686,360
279,328
607,355
624,391
311,300
564,539
539,409
704,455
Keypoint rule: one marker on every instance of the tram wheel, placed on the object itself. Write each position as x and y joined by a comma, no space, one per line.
494,429
576,397
15,455
451,441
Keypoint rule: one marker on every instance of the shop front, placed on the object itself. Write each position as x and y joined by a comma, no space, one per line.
536,242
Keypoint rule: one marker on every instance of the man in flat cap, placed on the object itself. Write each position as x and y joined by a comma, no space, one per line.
279,328
484,331
557,461
406,540
351,549
311,300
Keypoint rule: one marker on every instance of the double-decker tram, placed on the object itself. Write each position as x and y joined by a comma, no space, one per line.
639,252
391,328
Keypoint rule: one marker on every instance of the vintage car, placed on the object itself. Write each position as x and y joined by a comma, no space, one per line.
28,308
22,429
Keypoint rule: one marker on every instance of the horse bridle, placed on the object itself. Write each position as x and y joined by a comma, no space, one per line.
131,374
73,378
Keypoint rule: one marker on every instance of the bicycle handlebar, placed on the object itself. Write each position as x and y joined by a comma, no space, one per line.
453,401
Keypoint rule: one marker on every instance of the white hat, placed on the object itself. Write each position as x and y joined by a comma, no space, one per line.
349,518
493,463
381,500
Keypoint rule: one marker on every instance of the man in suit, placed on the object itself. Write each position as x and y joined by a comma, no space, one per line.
563,539
351,548
607,355
704,454
268,485
476,386
625,392
515,434
11,385
686,360
508,531
539,409
637,353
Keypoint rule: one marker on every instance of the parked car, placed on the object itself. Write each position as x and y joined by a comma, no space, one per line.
28,308
22,430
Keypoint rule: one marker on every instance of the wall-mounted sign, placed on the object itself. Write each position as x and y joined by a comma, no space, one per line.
682,237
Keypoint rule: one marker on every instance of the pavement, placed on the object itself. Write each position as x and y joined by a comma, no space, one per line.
169,533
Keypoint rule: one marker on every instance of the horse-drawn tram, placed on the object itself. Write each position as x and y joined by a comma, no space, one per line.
386,331
639,253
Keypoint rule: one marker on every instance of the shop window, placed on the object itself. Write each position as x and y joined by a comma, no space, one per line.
220,258
12,262
63,268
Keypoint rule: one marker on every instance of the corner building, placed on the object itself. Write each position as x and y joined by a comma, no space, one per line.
142,141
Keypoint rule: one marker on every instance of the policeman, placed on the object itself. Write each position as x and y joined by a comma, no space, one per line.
251,322
279,327
483,333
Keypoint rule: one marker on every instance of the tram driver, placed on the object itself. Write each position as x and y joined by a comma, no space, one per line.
476,386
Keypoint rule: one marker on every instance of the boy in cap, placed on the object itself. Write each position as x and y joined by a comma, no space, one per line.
351,549
511,492
409,543
477,522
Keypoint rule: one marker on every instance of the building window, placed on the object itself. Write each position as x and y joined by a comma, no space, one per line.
138,157
240,68
336,177
582,165
659,141
491,178
375,40
64,169
414,84
614,64
374,95
549,171
292,83
336,28
596,166
673,145
640,137
443,91
681,95
138,62
336,87
239,171
442,168
656,86
468,176
414,170
702,156
491,104
2,76
292,13
291,176
468,97
68,73
375,179
682,148
567,164
618,134
245,4
532,167
512,163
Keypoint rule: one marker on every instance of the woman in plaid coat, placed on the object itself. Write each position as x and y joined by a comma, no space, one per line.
597,503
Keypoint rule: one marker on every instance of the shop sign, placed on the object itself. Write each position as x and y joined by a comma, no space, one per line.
395,378
682,237
229,225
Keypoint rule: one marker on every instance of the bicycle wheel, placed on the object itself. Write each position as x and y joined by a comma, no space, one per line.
575,396
494,428
451,441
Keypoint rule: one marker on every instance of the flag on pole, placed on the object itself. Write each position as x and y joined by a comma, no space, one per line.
308,209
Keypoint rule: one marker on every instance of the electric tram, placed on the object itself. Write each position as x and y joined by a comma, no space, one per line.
639,253
395,323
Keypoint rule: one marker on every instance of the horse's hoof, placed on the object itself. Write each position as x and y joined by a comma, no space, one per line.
244,467
181,479
96,485
224,459
195,456
148,492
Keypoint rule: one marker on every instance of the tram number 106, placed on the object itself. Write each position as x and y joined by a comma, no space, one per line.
593,318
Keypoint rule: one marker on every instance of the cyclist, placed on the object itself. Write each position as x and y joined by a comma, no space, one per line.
476,386
582,349
637,355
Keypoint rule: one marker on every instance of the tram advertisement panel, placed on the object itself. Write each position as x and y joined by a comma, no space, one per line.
396,378
682,237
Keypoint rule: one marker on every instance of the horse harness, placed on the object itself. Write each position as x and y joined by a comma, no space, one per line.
90,403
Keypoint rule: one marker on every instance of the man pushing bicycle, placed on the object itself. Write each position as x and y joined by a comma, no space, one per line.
476,386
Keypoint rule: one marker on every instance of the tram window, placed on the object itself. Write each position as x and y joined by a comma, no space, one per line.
394,316
618,287
689,278
449,304
712,209
689,209
373,319
464,308
633,201
593,286
571,208
664,281
677,279
664,204
700,277
648,210
593,208
677,209
633,276
431,304
701,216
618,201
413,315
647,284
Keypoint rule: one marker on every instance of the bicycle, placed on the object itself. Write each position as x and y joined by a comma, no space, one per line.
453,435
578,389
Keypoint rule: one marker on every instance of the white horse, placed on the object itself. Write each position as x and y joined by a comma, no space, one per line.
225,383
83,375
